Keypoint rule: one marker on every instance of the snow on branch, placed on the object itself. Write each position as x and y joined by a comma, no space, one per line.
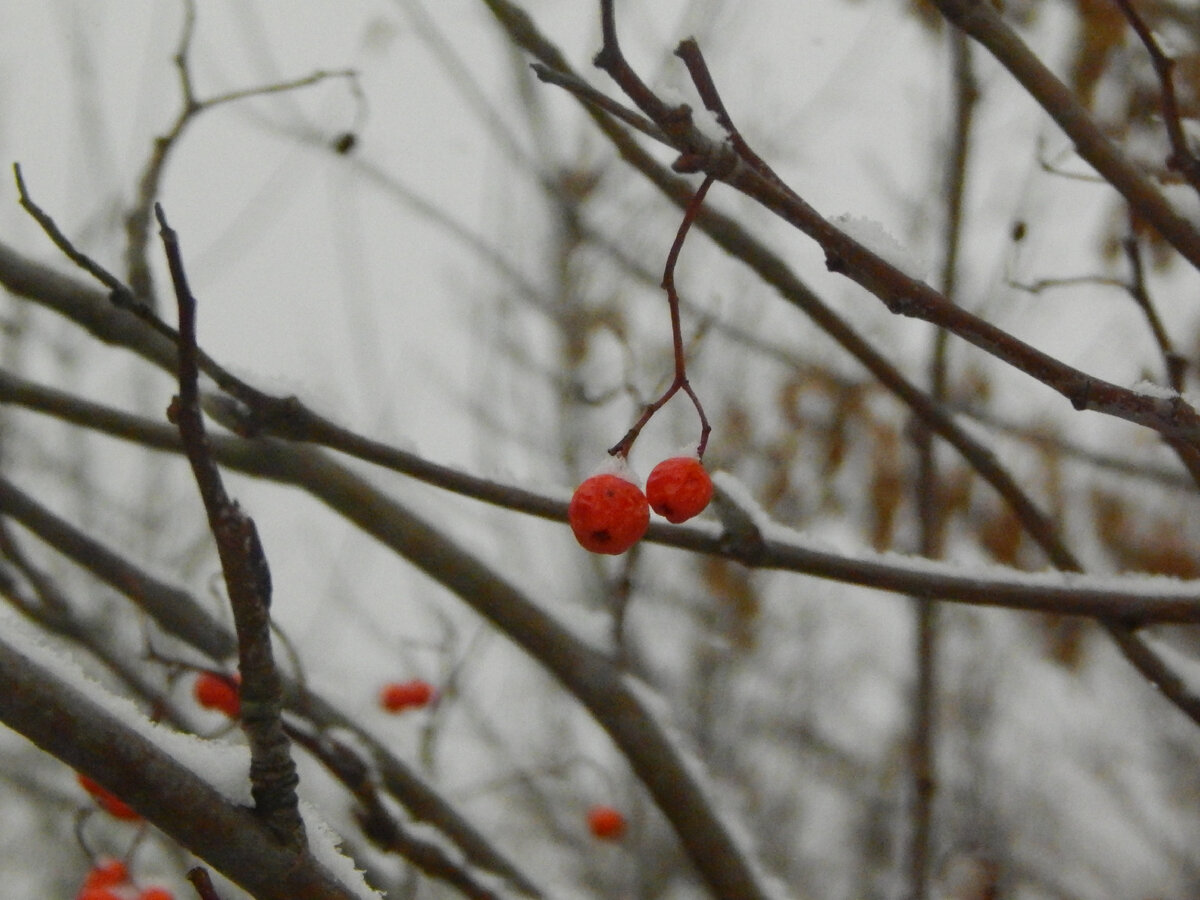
1134,599
194,790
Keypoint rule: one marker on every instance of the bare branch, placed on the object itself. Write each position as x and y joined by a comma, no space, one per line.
1174,362
927,649
172,609
69,725
180,613
273,775
383,829
1182,158
983,23
588,94
1137,603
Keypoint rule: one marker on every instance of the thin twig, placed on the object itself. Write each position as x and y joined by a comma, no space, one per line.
697,152
273,775
1042,285
61,241
198,876
612,60
923,774
588,94
380,824
689,51
263,412
1174,362
138,217
123,297
1182,159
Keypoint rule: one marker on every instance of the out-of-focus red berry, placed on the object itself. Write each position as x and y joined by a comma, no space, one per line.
156,893
608,514
110,802
606,823
679,488
106,874
398,696
214,690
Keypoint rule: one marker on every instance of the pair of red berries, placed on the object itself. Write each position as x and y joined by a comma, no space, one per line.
609,513
110,881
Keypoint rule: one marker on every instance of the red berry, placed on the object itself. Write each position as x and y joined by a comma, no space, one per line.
401,695
606,823
111,803
106,874
214,690
679,488
608,514
156,893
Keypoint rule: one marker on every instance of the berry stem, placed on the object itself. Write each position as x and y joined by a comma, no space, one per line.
680,381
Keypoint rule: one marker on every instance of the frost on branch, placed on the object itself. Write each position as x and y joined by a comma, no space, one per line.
880,241
743,520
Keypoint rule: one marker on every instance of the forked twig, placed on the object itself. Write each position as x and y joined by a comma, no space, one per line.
138,217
